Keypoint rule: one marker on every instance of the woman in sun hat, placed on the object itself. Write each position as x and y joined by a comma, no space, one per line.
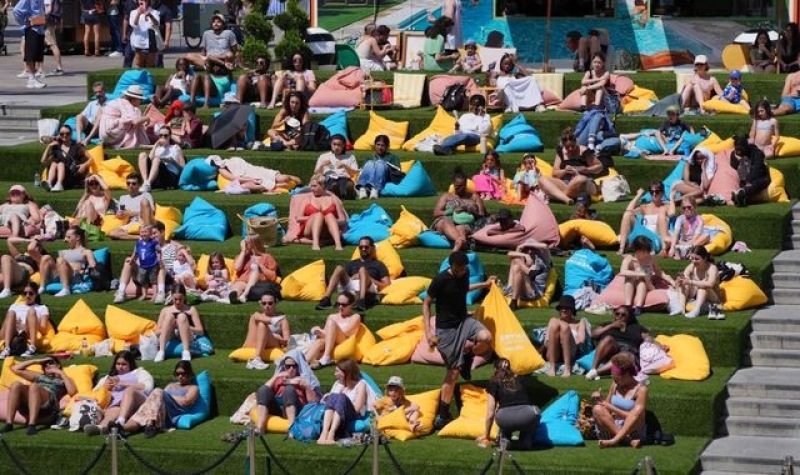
701,86
122,125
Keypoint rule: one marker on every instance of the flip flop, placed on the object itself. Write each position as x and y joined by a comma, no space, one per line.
230,437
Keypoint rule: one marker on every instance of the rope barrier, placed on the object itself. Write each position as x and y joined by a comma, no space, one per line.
488,465
358,459
396,464
14,459
271,456
161,471
96,459
516,465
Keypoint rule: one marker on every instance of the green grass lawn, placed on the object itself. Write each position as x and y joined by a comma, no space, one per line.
333,16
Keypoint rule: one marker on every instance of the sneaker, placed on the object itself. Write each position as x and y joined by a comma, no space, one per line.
57,72
57,187
186,356
23,74
6,293
36,84
7,428
233,297
31,430
40,74
592,375
324,304
146,187
150,431
439,422
46,185
92,430
257,364
360,306
741,198
5,353
168,301
29,352
362,193
439,150
373,194
114,54
513,305
693,314
720,313
61,423
119,297
159,357
160,298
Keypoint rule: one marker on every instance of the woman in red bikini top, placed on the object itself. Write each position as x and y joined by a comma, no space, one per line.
320,214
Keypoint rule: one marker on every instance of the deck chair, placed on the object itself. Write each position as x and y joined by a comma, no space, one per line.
346,56
407,92
553,82
491,56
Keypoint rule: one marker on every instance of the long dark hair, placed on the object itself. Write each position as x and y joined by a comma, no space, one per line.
760,32
125,355
440,26
35,288
503,375
186,366
303,107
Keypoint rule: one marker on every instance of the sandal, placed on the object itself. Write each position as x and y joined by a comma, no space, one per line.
230,437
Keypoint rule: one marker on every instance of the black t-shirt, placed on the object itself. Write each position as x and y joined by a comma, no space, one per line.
164,17
632,336
672,132
450,294
516,396
376,269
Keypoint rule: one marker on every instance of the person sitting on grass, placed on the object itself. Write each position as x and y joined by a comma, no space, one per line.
338,167
670,134
620,417
75,262
642,273
130,270
296,77
470,128
266,329
177,85
396,399
765,133
178,321
28,317
364,277
161,167
566,338
38,401
256,83
184,268
346,401
733,91
490,182
286,393
218,279
376,170
94,203
753,172
528,273
138,206
471,61
698,171
253,264
594,83
653,216
459,213
689,230
622,335
16,268
147,257
66,162
339,326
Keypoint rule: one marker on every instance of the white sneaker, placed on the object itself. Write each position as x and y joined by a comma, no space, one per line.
146,187
57,72
362,193
62,293
36,84
40,74
186,356
6,293
57,187
373,194
5,354
694,313
159,357
257,364
592,375
114,54
119,297
29,352
159,300
23,74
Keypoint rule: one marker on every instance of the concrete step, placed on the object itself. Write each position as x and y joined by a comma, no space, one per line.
795,224
777,318
18,124
786,280
786,296
773,357
792,242
796,211
762,455
755,407
763,426
787,261
15,109
766,340
766,382
8,139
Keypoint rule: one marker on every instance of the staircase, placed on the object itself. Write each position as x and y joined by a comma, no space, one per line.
18,123
763,406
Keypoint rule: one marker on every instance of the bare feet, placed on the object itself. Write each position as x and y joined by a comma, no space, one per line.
315,248
636,443
459,244
551,372
340,248
322,441
567,373
606,443
271,106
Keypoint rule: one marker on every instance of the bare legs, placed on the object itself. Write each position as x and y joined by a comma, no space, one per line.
165,329
459,234
327,339
634,421
560,346
30,396
150,173
318,222
56,173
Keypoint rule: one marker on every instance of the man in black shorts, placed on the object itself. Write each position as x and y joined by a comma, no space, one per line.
361,276
30,15
458,336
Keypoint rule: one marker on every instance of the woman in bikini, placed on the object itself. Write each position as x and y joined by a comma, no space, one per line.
641,273
653,215
593,85
620,417
320,214
699,282
764,133
94,203
460,213
701,86
338,327
73,262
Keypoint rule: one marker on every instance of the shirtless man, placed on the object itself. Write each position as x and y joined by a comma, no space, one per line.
790,96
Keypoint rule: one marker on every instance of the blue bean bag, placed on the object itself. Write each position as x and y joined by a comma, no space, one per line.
519,136
198,175
200,346
476,274
433,239
336,123
373,222
130,77
363,424
261,210
640,230
557,424
213,101
690,141
586,360
203,222
586,265
675,175
201,409
417,182
648,143
103,258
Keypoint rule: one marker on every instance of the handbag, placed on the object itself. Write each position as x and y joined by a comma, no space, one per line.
396,175
84,412
159,40
266,227
653,359
148,346
615,188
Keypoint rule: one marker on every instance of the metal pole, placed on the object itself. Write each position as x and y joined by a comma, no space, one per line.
501,455
546,67
376,445
114,455
649,466
251,448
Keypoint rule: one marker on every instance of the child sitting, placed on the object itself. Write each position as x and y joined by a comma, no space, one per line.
218,280
471,61
526,180
147,254
183,268
395,399
733,90
490,183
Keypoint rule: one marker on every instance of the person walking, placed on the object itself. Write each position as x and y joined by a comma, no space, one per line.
30,15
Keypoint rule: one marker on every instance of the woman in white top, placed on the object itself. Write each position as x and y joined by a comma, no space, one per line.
266,329
29,316
183,268
370,53
161,168
19,213
339,168
346,402
144,23
653,215
700,282
519,90
94,203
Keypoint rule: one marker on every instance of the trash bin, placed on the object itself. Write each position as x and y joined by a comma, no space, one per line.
197,19
322,46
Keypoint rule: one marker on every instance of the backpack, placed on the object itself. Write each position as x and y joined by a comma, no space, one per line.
307,426
19,343
454,97
612,104
315,137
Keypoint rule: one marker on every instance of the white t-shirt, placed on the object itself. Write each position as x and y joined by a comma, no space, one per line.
91,110
140,38
475,124
21,312
332,164
710,167
135,203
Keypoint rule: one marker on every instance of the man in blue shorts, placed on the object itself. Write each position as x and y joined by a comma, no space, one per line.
790,96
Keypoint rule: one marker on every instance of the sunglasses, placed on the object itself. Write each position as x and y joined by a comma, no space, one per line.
132,183
267,304
343,304
621,313
93,183
28,292
656,192
687,207
290,366
569,138
163,135
179,374
15,192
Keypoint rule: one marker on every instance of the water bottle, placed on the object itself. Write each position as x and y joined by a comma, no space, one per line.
84,347
37,180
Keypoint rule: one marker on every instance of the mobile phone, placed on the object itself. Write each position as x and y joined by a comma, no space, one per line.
122,207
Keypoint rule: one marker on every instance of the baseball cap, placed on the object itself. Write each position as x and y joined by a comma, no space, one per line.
700,59
19,188
673,108
735,74
219,16
470,43
396,381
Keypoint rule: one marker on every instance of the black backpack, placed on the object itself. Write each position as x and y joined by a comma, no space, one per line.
454,97
315,137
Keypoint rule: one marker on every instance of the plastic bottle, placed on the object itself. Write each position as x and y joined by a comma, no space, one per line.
37,180
84,347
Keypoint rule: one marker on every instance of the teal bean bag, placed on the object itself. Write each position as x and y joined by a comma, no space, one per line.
130,77
201,409
519,136
203,222
198,175
373,222
417,182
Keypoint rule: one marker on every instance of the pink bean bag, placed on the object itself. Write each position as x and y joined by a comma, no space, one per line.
341,90
614,294
18,418
622,85
539,223
424,355
725,179
296,206
439,83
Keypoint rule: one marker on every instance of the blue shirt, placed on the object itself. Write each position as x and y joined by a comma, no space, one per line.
147,253
24,10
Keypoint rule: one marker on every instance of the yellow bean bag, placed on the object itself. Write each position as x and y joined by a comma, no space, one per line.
599,232
741,293
471,421
395,426
641,93
355,346
408,326
788,147
247,354
96,156
549,291
83,377
405,230
80,322
715,144
396,350
125,327
171,217
114,172
723,238
689,355
44,341
444,124
470,187
111,223
7,377
405,291
397,132
201,269
634,106
386,253
776,191
306,283
275,424
724,107
509,339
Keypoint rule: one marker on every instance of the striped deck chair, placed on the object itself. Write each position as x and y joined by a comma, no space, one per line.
681,80
408,90
553,82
